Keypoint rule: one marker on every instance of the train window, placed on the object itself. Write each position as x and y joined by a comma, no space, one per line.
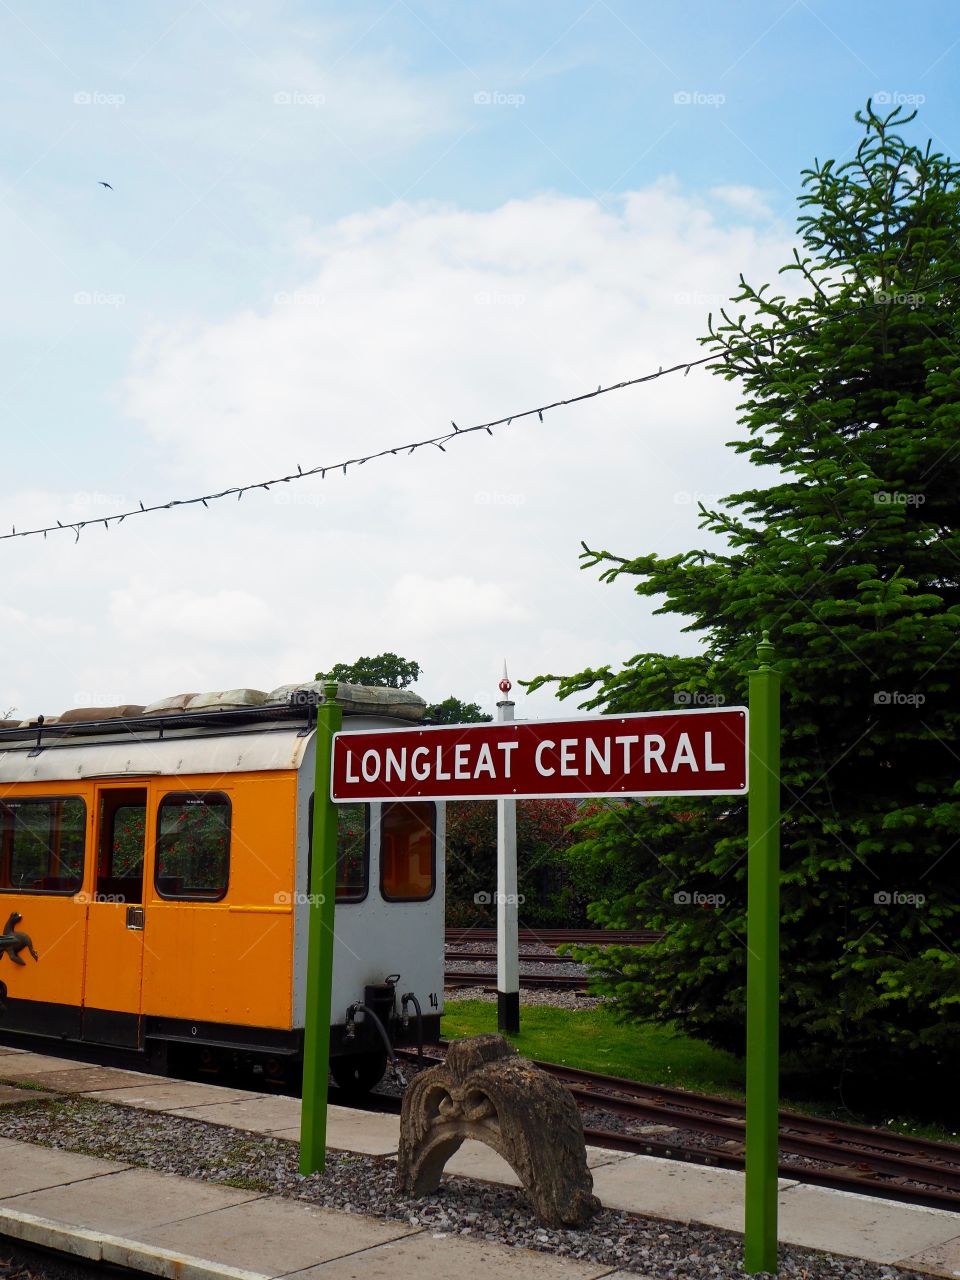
123,825
41,844
193,846
408,864
353,851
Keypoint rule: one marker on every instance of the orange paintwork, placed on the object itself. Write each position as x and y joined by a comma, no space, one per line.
228,961
56,923
113,962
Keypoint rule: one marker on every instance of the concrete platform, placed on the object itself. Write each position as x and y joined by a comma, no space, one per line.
187,1230
121,1199
154,1093
367,1132
432,1257
674,1190
10,1095
71,1077
21,1066
256,1114
884,1231
25,1168
941,1260
79,1078
182,1218
869,1227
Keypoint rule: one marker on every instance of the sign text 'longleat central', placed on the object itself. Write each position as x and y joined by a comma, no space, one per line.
655,753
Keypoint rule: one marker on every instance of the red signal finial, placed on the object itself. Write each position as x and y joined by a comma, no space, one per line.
504,686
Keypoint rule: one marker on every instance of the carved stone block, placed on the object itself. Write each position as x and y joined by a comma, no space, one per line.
485,1091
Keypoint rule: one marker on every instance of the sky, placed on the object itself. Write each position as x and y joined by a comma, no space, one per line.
336,228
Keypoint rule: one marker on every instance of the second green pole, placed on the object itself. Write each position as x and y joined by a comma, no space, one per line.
323,893
763,966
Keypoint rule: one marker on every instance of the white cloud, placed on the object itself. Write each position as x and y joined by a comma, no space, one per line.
456,604
189,615
322,96
398,320
743,200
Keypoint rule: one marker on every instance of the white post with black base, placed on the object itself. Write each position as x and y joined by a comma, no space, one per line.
508,937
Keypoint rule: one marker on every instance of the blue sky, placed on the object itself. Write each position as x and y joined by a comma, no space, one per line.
256,149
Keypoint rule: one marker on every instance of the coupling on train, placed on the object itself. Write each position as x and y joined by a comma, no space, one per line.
154,875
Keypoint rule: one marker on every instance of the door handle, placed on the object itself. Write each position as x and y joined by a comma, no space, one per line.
135,918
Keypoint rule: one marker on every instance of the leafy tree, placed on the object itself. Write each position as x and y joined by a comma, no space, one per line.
543,837
850,556
386,670
452,711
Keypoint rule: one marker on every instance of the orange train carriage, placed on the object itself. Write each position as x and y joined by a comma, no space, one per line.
154,872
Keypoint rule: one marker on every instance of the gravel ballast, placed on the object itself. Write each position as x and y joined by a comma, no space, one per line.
563,999
367,1184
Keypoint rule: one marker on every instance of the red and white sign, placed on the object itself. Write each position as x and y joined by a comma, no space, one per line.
661,753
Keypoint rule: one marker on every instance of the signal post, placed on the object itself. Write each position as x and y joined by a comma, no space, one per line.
508,931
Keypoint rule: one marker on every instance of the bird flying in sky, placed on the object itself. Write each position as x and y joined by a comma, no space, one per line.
105,184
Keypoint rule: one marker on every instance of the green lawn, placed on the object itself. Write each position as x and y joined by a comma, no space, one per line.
592,1040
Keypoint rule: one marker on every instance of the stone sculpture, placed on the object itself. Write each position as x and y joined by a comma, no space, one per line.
485,1091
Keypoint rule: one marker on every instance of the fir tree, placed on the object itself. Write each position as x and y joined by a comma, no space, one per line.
851,559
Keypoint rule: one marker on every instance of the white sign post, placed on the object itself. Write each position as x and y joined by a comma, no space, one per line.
508,936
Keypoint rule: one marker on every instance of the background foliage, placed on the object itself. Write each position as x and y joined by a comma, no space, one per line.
551,893
848,551
388,670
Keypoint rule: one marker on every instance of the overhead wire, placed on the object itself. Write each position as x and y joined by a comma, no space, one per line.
439,441
302,473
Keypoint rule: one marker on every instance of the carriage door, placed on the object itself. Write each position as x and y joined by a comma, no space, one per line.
113,972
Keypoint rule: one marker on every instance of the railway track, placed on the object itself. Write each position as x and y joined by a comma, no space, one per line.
478,945
543,981
557,937
490,957
711,1131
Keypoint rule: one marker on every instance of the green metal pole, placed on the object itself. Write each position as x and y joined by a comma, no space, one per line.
763,966
323,892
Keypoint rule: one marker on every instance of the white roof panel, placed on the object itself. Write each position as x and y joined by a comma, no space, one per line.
163,757
178,752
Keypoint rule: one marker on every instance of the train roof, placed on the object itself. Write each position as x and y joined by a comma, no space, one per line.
240,730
